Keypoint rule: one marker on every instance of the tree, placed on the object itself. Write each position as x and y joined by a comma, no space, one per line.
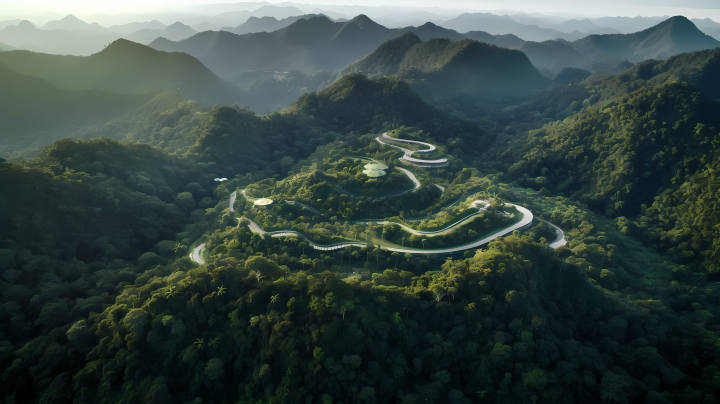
405,274
438,292
261,267
200,344
11,274
396,318
274,299
345,307
612,387
185,201
221,290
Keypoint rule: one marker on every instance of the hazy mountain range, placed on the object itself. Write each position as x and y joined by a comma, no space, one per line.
318,43
247,18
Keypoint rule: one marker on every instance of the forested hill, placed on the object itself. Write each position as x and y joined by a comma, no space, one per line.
96,201
442,66
237,140
29,104
125,67
636,153
672,36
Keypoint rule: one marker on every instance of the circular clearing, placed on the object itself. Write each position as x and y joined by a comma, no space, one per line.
376,166
374,173
263,202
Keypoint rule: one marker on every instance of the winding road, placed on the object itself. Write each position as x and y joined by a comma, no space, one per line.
560,240
195,255
481,205
233,196
407,157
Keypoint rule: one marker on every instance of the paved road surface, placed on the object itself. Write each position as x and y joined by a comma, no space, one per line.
408,153
560,240
526,220
195,256
232,201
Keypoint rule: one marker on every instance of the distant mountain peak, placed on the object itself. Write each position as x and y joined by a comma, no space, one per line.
25,24
71,17
361,21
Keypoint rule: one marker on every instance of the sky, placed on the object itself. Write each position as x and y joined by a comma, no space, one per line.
689,8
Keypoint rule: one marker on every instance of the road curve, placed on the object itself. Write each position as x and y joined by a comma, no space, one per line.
444,230
195,255
526,220
560,240
233,196
407,156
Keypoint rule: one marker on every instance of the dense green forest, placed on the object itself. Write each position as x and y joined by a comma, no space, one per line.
101,301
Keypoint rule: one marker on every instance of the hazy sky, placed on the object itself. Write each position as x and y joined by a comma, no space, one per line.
690,8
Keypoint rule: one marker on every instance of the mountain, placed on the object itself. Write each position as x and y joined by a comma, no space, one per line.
72,23
674,35
429,31
584,25
125,67
233,18
4,47
495,24
30,104
131,27
56,41
306,45
713,32
440,66
175,32
264,24
628,25
7,23
205,26
550,57
385,60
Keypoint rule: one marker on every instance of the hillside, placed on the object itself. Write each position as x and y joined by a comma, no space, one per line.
99,296
56,41
384,60
672,36
174,32
30,104
442,66
125,67
501,25
4,47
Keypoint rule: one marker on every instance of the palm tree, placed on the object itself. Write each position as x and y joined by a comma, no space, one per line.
481,394
396,318
177,247
488,299
200,344
212,321
274,299
221,290
423,241
213,342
